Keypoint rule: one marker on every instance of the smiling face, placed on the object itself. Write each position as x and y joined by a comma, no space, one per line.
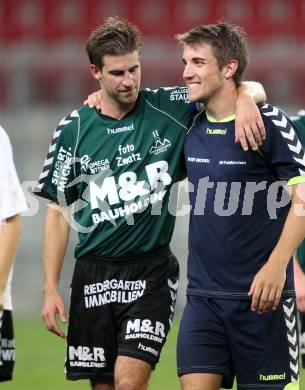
201,72
120,78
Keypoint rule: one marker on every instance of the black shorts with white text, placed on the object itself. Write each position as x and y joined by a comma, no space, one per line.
7,345
119,307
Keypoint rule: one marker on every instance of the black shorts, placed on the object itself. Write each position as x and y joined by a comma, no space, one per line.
7,346
119,307
225,337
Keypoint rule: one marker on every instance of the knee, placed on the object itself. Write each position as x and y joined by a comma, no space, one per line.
97,385
129,384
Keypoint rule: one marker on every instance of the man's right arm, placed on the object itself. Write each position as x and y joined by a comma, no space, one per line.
299,281
55,243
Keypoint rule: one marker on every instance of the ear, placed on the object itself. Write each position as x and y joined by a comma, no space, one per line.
96,73
230,69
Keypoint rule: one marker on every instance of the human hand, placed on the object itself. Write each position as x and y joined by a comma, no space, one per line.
267,286
54,305
249,126
95,100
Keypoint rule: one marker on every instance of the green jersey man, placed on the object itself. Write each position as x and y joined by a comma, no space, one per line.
140,159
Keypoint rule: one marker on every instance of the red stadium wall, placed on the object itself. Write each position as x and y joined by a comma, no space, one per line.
54,20
43,40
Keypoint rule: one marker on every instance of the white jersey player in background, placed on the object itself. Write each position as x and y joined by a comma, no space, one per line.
12,202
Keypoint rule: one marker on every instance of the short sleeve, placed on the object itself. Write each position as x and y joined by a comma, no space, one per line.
282,147
12,200
58,172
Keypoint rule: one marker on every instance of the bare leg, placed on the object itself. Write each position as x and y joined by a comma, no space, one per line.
131,374
201,382
98,385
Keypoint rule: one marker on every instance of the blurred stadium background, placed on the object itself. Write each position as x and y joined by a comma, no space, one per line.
44,75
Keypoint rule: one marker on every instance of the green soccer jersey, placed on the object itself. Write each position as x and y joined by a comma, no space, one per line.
118,175
299,122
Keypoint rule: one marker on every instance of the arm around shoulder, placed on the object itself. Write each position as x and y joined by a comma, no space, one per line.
253,89
249,126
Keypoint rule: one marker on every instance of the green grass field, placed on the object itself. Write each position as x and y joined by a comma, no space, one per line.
40,357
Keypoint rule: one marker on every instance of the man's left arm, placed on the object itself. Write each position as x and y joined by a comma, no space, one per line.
268,283
249,126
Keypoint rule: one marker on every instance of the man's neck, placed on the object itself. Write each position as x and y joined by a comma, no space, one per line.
223,104
115,109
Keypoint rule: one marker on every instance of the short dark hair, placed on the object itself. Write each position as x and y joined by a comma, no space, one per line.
116,36
229,42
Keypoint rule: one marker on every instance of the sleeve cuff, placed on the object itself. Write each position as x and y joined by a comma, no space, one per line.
296,180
